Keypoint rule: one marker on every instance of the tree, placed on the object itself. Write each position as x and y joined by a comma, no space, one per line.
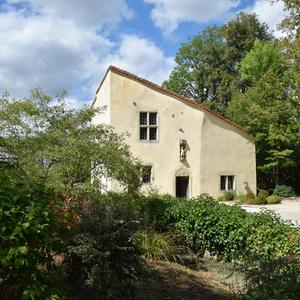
206,66
291,23
269,108
59,146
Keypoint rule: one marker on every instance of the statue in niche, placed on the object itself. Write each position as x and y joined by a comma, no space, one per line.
182,153
182,149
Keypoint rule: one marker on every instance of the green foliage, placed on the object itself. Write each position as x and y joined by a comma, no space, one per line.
221,198
264,192
153,209
28,230
106,249
270,109
242,198
284,191
227,231
273,199
164,246
206,70
229,195
260,199
250,195
270,278
60,145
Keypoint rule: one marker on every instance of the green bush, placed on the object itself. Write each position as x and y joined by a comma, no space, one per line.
284,191
270,278
273,199
28,230
264,192
221,198
250,195
242,198
261,198
228,231
229,195
105,249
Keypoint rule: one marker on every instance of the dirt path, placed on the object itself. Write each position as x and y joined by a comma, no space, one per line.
170,281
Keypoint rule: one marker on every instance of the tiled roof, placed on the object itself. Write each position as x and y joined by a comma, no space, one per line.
155,86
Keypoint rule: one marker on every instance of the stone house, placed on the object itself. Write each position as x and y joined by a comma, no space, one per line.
186,148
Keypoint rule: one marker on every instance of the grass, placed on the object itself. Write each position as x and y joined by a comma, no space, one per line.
164,246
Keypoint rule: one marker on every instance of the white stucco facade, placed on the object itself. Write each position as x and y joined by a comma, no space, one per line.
219,154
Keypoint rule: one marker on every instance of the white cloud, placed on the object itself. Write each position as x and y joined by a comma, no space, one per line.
270,14
88,12
74,103
143,58
42,50
167,14
40,47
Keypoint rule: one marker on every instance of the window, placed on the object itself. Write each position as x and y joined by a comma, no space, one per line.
146,175
227,183
148,126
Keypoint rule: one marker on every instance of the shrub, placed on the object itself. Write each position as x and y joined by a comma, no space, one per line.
261,197
29,235
250,195
153,209
229,195
274,199
264,192
270,278
227,230
105,249
221,198
284,191
242,198
164,246
251,199
259,200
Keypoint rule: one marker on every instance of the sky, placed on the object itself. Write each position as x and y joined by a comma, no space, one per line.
69,44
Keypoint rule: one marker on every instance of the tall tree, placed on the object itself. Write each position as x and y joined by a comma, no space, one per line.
60,146
206,65
290,25
269,108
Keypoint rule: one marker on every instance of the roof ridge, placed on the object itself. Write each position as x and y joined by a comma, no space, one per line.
113,68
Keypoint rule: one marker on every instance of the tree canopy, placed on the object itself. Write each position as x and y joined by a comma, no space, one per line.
59,146
269,108
206,66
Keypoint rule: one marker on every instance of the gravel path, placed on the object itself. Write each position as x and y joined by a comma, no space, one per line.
289,208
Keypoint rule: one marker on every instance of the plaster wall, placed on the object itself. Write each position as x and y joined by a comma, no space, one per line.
103,100
176,120
226,151
214,147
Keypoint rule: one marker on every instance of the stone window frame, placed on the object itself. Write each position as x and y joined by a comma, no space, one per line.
148,127
226,184
147,171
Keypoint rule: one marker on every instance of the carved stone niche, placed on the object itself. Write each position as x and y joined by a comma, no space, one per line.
182,173
182,149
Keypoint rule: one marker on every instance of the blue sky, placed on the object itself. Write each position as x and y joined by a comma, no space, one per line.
69,44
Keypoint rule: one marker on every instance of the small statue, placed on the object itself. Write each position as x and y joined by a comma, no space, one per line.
182,153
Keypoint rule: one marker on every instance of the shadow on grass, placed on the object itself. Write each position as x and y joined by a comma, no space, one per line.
167,281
